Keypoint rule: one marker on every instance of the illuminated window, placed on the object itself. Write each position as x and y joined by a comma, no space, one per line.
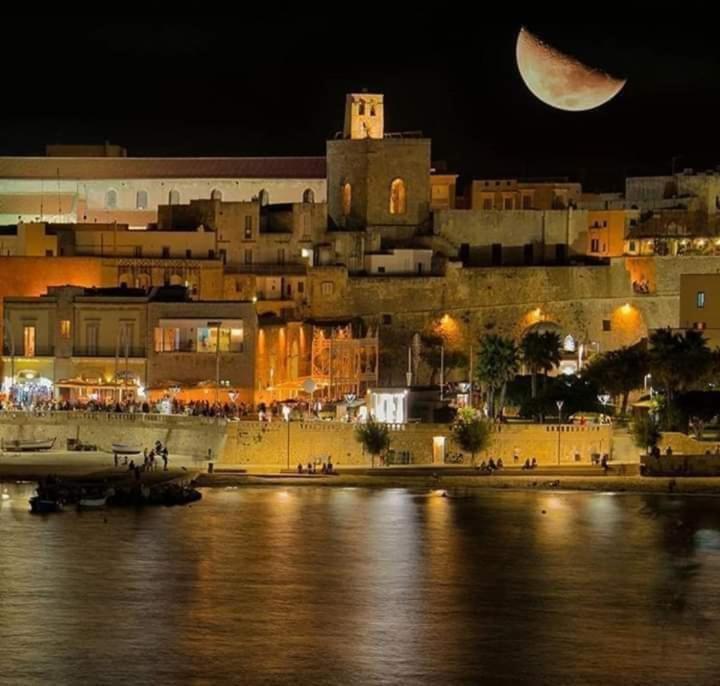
569,345
111,199
141,200
174,197
309,196
700,300
346,199
398,197
216,195
65,328
29,341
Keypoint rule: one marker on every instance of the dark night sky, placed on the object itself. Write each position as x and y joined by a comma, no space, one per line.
245,87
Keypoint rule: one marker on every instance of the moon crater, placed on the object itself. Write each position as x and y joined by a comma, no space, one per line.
560,80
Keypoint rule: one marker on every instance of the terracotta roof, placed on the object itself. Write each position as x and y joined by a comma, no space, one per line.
90,168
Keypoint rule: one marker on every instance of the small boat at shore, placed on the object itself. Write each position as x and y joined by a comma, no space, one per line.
40,505
123,449
87,504
27,446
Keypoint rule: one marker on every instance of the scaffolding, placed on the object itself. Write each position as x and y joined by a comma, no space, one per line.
342,364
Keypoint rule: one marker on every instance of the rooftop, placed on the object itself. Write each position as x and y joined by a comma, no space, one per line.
89,168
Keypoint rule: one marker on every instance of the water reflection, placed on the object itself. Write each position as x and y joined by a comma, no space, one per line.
362,587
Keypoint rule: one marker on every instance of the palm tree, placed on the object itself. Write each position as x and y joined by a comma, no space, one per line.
679,361
540,353
497,364
619,372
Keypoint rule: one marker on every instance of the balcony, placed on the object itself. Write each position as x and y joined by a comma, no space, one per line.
47,351
97,352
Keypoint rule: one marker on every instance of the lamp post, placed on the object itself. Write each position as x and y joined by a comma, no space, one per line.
216,326
442,372
11,340
286,415
560,404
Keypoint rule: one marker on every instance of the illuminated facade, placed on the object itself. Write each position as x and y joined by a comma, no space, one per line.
343,364
115,344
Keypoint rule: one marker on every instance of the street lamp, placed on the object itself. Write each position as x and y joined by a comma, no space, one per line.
560,404
9,336
286,416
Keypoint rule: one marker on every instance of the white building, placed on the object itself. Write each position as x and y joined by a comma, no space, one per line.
128,190
399,261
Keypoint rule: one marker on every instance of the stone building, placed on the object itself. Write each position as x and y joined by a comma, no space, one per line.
514,194
105,185
109,344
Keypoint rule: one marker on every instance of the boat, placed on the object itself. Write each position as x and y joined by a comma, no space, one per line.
90,503
123,449
27,446
40,505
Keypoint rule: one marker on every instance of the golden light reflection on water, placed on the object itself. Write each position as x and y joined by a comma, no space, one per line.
356,587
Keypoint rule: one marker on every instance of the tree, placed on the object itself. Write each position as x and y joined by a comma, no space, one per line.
374,437
433,343
619,372
678,362
540,353
698,408
646,432
470,431
497,364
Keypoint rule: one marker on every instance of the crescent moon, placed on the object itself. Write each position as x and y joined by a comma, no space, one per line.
560,80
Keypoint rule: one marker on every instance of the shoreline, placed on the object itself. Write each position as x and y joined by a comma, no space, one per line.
435,480
709,486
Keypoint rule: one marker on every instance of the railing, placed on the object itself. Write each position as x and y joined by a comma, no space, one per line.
108,352
114,417
38,352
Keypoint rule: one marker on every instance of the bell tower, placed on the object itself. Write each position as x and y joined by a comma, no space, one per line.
364,116
377,180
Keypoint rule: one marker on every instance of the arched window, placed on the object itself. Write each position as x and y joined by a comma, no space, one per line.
398,197
111,199
174,197
569,345
346,198
361,109
141,200
216,194
309,196
264,198
372,111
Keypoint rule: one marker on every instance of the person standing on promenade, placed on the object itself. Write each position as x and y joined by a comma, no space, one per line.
165,458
